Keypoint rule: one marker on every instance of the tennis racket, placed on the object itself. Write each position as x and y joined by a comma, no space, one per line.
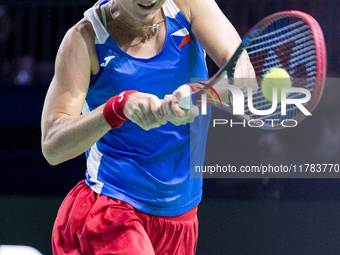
289,40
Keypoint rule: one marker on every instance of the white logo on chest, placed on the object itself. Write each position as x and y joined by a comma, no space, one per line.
107,60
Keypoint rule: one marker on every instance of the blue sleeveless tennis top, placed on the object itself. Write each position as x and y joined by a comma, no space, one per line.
148,169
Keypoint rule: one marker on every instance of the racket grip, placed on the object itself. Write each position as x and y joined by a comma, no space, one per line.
185,102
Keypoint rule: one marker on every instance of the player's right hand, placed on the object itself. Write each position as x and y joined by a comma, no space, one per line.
144,110
172,111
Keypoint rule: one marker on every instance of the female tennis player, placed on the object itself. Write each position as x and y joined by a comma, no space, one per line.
115,96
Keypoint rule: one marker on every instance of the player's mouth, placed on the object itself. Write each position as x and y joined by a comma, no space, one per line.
147,6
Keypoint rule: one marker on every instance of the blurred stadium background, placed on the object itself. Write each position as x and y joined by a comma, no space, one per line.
248,216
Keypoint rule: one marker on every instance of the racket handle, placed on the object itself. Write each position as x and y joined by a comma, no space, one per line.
185,102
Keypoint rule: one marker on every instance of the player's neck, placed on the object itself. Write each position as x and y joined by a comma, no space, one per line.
146,29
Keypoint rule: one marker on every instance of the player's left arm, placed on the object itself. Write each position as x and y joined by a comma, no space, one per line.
218,37
212,29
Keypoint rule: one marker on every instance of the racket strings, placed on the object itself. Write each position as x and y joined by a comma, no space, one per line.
288,46
279,40
304,46
277,31
301,51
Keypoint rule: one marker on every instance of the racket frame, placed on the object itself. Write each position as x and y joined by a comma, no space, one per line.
229,67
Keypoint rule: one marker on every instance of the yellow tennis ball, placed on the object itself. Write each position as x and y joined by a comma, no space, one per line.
275,78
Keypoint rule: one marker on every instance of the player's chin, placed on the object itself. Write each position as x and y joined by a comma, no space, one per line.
147,15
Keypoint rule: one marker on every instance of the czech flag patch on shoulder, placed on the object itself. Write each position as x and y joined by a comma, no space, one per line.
181,37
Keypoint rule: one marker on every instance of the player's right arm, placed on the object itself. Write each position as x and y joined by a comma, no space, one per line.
65,132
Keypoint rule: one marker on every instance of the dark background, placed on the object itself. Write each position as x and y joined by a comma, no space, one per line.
248,216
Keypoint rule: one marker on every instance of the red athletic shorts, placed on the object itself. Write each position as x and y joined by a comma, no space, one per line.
92,224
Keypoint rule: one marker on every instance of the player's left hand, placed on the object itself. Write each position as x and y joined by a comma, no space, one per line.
171,110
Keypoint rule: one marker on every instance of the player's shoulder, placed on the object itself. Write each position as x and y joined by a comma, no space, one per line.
79,37
79,42
184,7
188,7
84,29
